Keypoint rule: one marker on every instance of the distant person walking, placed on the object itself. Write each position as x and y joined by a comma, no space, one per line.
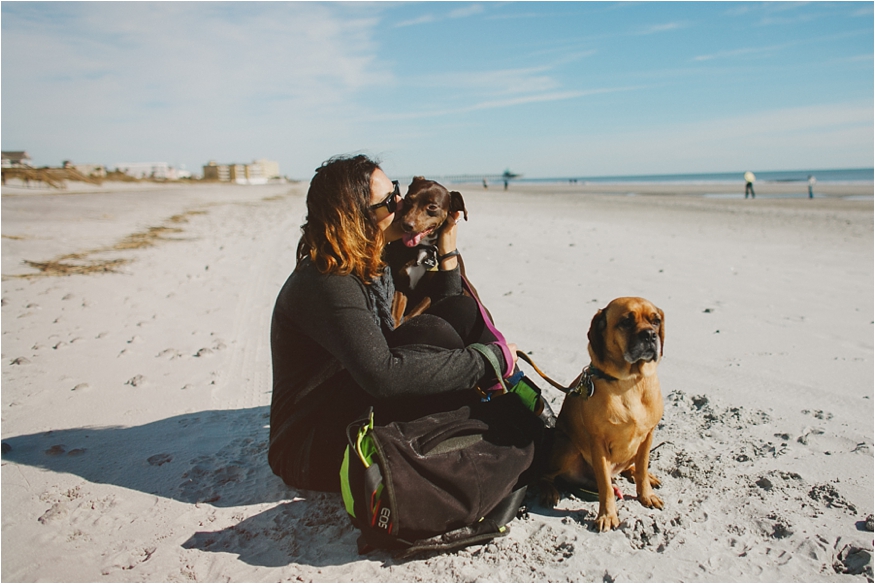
811,182
749,179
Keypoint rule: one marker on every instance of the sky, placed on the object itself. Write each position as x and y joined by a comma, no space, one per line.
439,88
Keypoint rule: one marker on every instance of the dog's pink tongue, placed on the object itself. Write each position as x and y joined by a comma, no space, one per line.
412,239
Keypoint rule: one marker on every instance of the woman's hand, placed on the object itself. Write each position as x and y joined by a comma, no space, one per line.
513,349
447,241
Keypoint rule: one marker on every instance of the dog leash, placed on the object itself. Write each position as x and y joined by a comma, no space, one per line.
583,385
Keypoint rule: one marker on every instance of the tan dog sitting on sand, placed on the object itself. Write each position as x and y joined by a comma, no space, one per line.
606,424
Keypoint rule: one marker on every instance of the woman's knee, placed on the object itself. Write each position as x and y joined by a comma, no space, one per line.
426,329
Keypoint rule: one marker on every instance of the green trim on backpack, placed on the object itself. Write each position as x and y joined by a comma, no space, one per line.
526,393
523,389
345,490
365,450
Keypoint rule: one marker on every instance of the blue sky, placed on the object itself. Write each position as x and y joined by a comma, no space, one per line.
545,89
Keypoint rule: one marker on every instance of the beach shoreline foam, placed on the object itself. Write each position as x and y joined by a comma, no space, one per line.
135,400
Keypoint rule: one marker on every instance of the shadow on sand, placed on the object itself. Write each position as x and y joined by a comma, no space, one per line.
217,457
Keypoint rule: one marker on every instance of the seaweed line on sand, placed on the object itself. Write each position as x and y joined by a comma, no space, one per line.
78,263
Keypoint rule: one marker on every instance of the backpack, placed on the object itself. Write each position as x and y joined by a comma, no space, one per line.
440,482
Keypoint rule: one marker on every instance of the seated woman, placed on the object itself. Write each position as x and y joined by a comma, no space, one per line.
334,346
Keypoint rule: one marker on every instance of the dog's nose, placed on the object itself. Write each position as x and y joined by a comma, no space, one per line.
408,227
648,336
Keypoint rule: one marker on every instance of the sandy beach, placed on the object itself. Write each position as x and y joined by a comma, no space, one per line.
136,383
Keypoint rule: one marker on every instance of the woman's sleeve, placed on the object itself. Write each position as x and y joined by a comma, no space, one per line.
446,283
337,316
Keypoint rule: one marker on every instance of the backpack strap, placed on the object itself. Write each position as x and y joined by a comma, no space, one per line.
493,360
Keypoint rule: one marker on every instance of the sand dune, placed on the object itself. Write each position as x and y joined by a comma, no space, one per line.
136,398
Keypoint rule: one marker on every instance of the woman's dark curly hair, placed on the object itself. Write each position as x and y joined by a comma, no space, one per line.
341,235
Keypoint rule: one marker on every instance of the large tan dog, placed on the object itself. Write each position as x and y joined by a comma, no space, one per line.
606,424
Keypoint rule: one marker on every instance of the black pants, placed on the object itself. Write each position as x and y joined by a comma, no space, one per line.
452,323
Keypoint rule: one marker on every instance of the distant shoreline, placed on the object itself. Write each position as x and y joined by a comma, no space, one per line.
714,188
764,190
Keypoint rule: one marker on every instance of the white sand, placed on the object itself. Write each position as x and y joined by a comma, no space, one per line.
135,404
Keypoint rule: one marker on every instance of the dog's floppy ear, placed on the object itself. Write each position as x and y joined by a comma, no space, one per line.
596,334
661,330
457,203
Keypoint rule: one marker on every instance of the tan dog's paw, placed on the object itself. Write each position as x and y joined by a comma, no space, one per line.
607,521
549,495
650,500
629,474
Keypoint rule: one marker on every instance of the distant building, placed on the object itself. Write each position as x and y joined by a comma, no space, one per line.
237,173
219,172
178,173
158,170
258,172
269,168
16,159
92,170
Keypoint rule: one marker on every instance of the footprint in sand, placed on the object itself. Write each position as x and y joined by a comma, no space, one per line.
56,511
136,381
807,433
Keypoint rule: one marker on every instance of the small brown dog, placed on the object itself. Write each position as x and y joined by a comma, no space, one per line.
606,424
423,215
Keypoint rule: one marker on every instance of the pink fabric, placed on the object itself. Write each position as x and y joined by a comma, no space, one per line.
502,343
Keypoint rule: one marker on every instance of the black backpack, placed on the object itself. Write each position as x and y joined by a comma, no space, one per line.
440,482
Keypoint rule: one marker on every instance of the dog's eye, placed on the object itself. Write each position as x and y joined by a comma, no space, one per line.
433,208
656,322
627,322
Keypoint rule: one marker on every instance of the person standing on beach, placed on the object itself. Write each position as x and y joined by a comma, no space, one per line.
749,179
335,349
811,182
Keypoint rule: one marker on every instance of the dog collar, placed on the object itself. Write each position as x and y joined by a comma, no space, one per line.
428,257
585,386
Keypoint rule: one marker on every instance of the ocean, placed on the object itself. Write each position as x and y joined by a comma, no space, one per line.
834,176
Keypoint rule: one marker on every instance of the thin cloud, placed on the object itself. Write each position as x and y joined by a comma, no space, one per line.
666,27
424,19
467,11
504,103
741,52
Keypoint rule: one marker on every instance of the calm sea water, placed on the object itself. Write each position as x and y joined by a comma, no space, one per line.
846,176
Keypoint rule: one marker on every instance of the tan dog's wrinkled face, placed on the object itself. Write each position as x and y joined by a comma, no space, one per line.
631,329
425,209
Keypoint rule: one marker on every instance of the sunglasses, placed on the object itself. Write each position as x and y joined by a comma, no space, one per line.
391,201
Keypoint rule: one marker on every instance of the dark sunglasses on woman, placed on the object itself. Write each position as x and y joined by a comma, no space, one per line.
391,201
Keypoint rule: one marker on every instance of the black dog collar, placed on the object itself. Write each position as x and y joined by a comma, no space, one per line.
585,386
